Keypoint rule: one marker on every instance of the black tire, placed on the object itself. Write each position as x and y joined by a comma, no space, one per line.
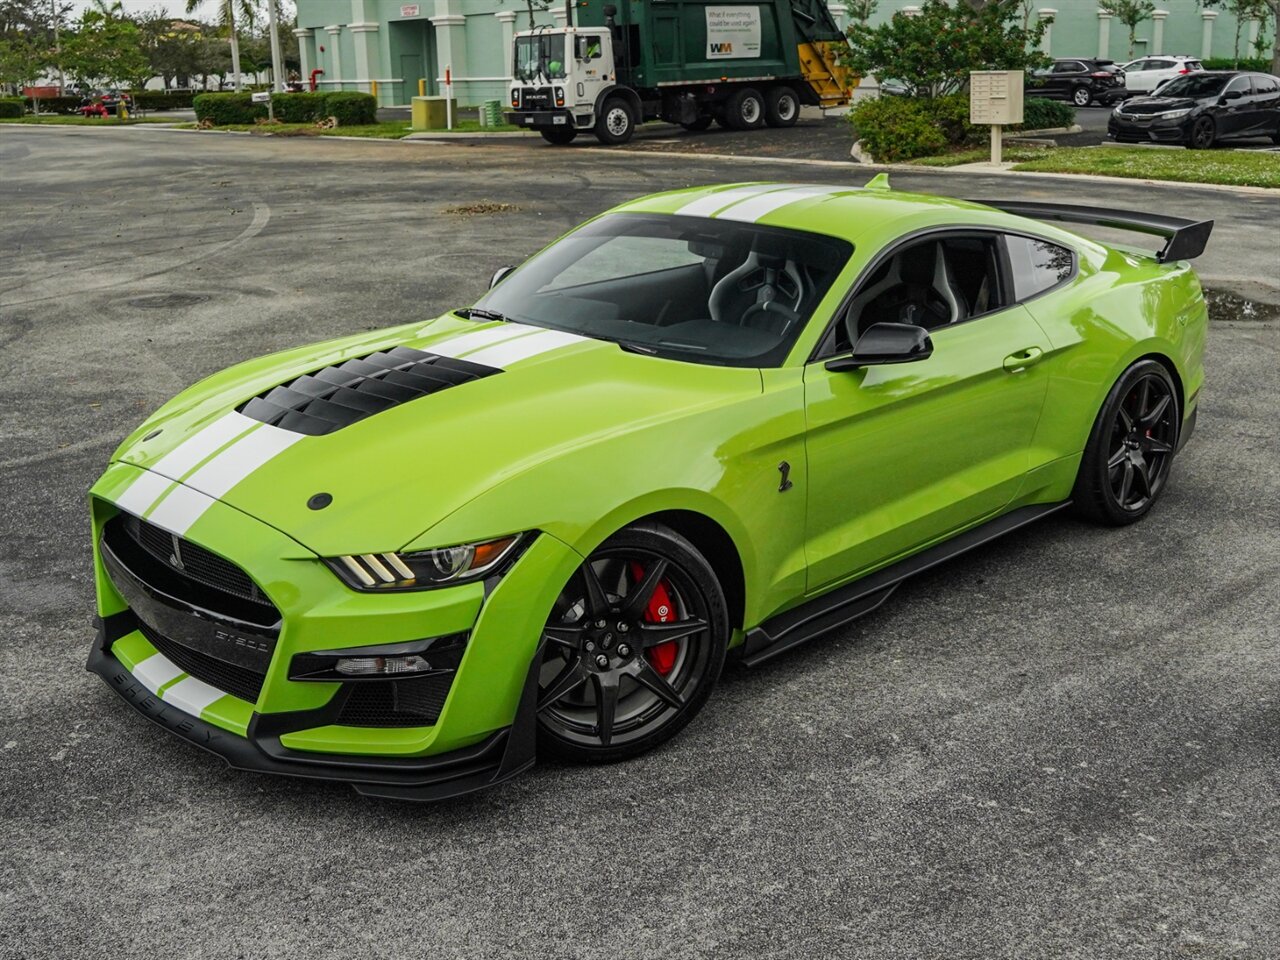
1204,133
560,136
1081,96
722,121
1131,447
697,126
781,107
616,123
744,110
601,701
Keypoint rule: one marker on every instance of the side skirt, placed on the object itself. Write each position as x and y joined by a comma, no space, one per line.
856,599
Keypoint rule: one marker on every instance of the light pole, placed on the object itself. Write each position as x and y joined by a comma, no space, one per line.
57,45
277,61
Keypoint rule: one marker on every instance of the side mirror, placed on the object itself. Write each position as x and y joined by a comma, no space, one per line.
499,275
883,343
1231,95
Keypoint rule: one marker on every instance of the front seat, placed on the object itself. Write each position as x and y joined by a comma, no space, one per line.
764,292
918,288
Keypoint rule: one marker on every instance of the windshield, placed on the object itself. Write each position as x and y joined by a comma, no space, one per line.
685,288
1195,87
540,57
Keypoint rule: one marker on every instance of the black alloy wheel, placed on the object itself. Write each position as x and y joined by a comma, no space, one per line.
633,646
559,135
1203,134
1126,464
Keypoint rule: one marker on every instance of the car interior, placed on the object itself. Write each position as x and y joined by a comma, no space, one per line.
930,283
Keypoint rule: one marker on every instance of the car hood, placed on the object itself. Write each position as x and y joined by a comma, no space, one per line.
1149,105
391,475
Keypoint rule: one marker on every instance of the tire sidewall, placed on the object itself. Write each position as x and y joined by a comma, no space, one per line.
1077,99
655,538
609,112
737,109
774,114
1092,495
1200,124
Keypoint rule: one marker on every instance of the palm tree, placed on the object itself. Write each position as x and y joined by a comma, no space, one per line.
227,20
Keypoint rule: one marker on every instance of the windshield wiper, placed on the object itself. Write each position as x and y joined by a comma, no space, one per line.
483,314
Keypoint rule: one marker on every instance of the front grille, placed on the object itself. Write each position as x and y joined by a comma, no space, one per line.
395,703
238,681
188,571
337,396
536,98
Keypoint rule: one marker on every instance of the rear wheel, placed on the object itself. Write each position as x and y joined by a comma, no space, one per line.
1203,134
616,123
559,135
634,645
1081,96
1130,451
744,110
781,107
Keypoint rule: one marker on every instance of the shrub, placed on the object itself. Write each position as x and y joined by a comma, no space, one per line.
1260,64
351,108
300,107
56,104
1041,114
221,109
11,107
897,128
163,101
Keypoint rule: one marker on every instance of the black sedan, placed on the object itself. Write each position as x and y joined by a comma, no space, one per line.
1200,109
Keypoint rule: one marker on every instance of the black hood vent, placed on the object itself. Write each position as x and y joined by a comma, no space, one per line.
330,399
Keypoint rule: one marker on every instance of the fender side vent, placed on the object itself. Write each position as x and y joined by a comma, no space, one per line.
337,396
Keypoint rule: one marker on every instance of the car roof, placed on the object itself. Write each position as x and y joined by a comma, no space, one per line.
844,211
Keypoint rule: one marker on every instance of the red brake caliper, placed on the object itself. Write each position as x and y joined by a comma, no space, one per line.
662,657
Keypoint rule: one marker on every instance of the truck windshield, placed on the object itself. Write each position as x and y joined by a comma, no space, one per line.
540,57
684,288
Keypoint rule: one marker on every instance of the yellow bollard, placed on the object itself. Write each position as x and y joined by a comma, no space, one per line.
373,88
422,86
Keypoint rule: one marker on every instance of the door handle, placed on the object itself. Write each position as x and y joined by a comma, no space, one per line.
1017,362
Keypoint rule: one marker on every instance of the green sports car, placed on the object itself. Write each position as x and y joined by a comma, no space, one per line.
708,423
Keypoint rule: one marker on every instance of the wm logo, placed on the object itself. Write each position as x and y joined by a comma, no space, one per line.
722,48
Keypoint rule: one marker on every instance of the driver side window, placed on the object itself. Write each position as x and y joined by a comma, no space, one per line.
931,282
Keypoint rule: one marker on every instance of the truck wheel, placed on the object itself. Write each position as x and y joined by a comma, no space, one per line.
559,135
781,107
745,109
698,125
616,122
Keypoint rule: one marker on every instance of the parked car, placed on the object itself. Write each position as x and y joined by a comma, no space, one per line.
1082,82
703,423
1145,75
1202,108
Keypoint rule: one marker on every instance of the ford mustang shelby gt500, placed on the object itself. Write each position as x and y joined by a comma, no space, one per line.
706,423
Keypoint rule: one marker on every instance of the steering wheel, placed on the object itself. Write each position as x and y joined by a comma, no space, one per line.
770,308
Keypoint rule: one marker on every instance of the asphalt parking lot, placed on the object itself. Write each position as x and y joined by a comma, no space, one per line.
1063,745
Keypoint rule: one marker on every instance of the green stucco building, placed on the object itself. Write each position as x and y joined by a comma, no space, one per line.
406,46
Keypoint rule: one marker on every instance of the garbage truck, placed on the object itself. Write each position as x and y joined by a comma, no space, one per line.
744,64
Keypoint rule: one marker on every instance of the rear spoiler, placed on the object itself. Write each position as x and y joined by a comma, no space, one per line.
1185,239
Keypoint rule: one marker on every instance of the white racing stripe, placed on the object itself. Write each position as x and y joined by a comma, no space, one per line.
756,208
180,509
139,496
241,458
184,458
155,671
705,206
477,339
192,695
524,348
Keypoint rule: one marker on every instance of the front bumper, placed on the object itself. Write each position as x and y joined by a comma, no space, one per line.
498,757
1148,131
540,119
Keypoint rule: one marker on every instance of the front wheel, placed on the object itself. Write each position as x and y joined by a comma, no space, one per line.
781,107
1203,134
1130,452
559,135
1081,96
634,644
616,122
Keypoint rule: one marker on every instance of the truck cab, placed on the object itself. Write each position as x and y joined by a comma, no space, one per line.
560,78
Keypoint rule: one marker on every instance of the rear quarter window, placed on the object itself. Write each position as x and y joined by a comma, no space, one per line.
1037,265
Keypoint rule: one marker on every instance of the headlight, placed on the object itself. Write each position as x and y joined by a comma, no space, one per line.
424,569
1172,114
